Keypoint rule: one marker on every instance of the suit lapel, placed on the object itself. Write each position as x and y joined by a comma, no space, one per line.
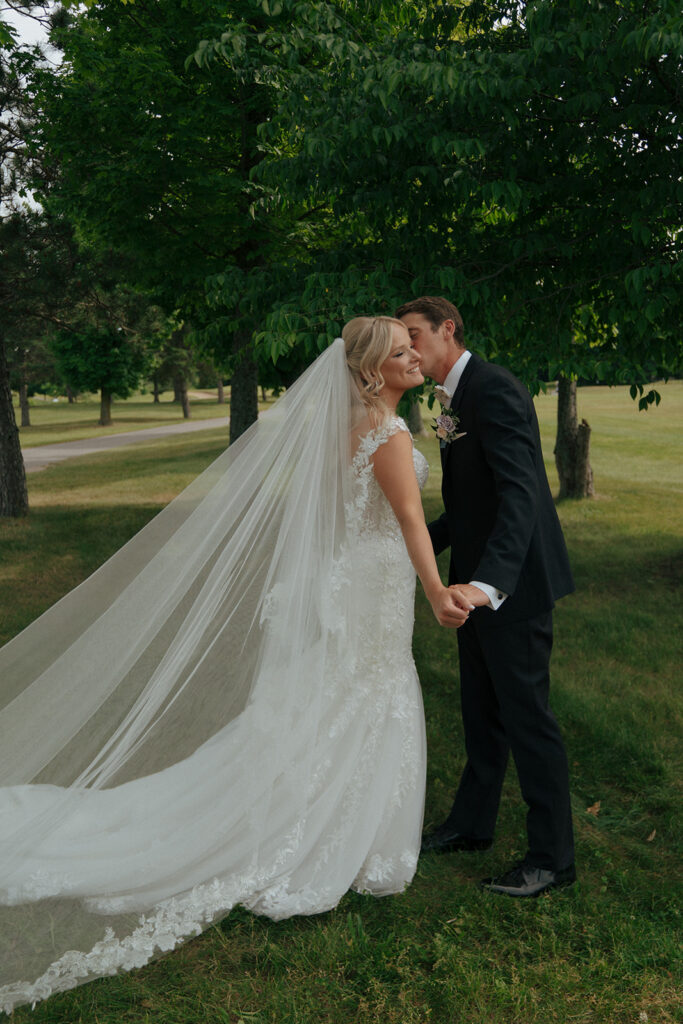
455,403
456,400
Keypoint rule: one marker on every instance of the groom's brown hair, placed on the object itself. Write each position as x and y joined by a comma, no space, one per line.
436,310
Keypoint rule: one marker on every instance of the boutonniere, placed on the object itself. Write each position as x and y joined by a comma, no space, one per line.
446,428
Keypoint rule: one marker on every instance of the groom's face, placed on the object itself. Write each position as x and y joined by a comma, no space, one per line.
431,343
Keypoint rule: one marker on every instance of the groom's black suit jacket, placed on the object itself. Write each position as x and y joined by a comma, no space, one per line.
500,520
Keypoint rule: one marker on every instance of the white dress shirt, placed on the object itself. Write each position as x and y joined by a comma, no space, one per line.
455,373
495,596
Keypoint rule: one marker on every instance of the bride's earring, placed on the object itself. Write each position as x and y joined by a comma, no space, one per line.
373,386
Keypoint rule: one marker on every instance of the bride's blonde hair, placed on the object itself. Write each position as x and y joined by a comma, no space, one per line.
368,341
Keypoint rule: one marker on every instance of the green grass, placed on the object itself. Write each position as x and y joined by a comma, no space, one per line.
605,951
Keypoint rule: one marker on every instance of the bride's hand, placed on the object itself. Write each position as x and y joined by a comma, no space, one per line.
448,610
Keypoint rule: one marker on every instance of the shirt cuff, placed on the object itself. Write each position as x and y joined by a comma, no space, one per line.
495,596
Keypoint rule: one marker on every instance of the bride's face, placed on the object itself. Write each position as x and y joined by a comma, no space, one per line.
401,369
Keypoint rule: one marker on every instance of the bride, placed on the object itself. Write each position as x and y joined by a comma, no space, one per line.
227,711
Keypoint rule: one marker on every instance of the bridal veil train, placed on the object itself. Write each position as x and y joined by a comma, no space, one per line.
226,712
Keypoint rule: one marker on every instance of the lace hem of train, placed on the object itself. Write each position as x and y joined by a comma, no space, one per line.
186,916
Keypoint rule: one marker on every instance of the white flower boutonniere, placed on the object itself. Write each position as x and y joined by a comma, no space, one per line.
446,428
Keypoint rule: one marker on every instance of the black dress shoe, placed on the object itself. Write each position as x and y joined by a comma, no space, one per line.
524,880
445,840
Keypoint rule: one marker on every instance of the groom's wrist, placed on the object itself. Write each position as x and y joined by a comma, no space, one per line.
496,597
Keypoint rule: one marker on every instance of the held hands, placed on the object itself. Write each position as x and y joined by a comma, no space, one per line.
450,611
469,597
452,605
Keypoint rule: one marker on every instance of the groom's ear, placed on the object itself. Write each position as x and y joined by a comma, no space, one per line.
449,329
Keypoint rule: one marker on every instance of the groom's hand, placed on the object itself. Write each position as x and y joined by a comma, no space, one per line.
468,596
449,611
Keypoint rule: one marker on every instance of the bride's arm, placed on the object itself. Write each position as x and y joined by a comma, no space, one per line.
395,474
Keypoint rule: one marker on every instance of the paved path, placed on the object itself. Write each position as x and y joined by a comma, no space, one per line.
43,455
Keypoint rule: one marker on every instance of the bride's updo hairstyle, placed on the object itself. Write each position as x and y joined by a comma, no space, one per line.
368,341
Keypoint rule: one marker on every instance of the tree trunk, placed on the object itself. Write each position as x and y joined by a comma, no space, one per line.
23,405
105,408
264,396
13,492
70,395
414,420
155,381
243,388
221,393
571,445
180,389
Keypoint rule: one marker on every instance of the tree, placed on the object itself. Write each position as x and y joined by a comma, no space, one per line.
157,125
295,49
155,155
41,266
16,116
55,292
100,359
31,367
13,492
571,445
518,157
177,359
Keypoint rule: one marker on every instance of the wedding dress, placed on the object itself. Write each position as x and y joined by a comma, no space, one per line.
227,712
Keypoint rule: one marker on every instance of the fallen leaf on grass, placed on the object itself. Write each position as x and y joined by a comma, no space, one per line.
594,809
651,835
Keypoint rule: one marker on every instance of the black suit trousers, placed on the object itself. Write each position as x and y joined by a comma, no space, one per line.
504,675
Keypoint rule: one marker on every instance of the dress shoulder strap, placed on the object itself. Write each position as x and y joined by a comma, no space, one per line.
375,438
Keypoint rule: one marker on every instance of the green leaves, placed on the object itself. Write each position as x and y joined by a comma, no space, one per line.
95,358
309,160
271,7
652,397
8,35
529,173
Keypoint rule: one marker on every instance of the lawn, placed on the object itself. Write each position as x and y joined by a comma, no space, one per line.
54,420
605,951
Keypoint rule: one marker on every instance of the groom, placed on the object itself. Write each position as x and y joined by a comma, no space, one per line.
509,561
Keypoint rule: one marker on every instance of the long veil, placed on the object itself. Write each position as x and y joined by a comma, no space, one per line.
208,632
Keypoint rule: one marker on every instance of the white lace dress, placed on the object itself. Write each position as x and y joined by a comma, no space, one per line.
354,820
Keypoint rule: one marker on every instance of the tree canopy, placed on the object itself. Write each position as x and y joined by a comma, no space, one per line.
311,160
521,158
